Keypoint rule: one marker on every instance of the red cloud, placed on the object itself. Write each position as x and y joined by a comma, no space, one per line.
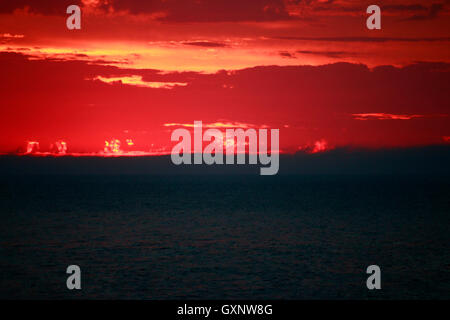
385,116
219,124
51,99
47,7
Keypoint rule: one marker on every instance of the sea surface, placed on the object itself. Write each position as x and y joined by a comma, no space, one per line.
224,236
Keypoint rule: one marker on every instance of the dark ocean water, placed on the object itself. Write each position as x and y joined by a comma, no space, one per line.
237,237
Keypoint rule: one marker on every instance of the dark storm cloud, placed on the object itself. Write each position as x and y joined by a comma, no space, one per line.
208,11
411,161
172,10
432,13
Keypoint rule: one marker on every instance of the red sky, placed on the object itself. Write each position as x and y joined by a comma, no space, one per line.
310,68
